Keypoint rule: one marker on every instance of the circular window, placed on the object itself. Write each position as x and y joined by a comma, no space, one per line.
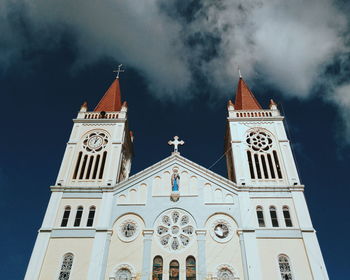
128,230
175,230
222,228
259,141
95,141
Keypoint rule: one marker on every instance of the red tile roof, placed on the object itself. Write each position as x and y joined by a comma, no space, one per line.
245,99
111,101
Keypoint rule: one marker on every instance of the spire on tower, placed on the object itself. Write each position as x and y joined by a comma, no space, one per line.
111,101
245,99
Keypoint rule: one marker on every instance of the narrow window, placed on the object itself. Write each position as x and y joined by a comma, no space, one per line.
286,273
91,216
272,170
157,268
252,175
279,172
273,215
263,162
66,267
260,215
65,217
190,268
78,216
257,165
103,164
174,270
287,217
83,167
96,167
77,165
89,167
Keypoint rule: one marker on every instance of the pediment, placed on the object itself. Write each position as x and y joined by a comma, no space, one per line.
195,181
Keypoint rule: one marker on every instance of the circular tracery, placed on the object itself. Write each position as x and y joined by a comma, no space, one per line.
175,230
95,141
259,141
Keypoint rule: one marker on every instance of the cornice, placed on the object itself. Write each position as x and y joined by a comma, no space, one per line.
100,121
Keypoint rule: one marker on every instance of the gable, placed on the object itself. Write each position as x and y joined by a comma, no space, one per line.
195,181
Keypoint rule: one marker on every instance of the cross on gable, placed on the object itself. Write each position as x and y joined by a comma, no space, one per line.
176,143
119,70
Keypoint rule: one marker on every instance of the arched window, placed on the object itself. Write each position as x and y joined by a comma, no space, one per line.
91,216
287,217
286,273
66,267
190,268
225,274
273,215
260,216
157,268
78,216
174,270
65,216
123,274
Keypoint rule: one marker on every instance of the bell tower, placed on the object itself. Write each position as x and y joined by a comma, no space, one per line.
257,149
99,150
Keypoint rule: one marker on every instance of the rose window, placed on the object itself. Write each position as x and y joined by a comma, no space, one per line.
259,141
175,230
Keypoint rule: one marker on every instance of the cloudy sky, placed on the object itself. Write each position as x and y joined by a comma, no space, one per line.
178,54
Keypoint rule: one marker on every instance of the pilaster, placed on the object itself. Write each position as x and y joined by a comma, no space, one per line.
202,268
42,240
147,246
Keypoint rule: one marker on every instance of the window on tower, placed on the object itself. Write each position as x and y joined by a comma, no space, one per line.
91,216
78,216
65,216
262,156
287,218
284,265
66,267
260,216
273,215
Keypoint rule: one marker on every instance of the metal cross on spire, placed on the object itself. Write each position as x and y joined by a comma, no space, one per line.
176,143
119,70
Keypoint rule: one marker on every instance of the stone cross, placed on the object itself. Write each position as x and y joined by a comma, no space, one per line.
176,143
119,70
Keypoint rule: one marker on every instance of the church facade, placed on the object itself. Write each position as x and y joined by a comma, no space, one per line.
176,219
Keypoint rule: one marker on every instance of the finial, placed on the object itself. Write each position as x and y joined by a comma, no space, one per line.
119,70
239,73
176,143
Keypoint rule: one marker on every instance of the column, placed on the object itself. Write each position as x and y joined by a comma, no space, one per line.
100,248
147,250
42,240
202,268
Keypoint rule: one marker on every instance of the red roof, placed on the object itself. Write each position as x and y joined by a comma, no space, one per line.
245,99
111,101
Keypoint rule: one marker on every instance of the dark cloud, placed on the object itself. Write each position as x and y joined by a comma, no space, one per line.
176,44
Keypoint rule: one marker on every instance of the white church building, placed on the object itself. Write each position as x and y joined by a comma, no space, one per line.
177,220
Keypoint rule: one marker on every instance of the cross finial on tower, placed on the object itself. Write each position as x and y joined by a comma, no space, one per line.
176,143
239,72
119,70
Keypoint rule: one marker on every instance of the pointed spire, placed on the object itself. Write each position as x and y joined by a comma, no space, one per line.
111,101
245,99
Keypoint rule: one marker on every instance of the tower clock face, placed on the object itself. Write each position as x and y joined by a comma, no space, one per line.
95,142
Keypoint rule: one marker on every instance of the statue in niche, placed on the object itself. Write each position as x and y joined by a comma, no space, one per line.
175,181
175,184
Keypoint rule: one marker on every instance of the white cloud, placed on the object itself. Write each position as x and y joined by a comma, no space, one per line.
288,42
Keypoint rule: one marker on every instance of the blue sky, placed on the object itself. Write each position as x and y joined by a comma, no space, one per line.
177,84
